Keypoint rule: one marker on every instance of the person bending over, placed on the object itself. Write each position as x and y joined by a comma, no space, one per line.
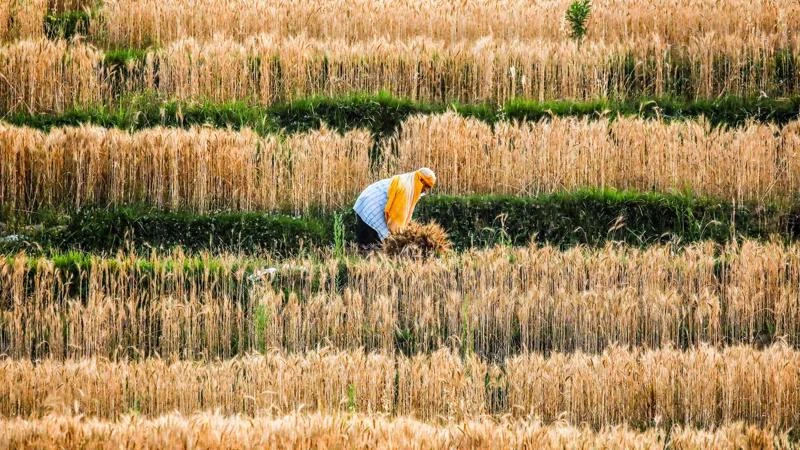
386,206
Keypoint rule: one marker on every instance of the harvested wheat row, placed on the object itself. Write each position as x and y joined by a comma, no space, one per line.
204,169
703,386
496,303
139,23
51,76
311,431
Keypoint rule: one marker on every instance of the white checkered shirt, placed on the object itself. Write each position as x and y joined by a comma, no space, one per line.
371,206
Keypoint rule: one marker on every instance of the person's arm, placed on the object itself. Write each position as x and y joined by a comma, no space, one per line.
392,196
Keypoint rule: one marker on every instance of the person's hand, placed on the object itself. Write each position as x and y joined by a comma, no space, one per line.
389,224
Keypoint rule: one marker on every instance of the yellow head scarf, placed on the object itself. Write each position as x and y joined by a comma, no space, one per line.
404,193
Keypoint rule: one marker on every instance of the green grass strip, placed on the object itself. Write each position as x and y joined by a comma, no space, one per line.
67,24
586,217
382,114
118,59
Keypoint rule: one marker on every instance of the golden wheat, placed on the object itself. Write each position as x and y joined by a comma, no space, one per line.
418,241
200,169
616,385
269,68
43,75
704,386
622,338
125,23
753,163
59,6
22,19
26,19
139,23
311,431
495,302
52,76
177,306
204,169
5,17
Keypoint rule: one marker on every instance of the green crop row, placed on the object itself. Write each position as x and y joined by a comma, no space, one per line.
382,114
589,217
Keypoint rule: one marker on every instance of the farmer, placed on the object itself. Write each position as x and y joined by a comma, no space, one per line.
386,206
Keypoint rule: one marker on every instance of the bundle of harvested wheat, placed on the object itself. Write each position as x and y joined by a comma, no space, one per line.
418,241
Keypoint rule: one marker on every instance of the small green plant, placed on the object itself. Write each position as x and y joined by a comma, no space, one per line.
262,319
351,398
338,235
577,15
467,339
498,236
405,341
135,408
66,25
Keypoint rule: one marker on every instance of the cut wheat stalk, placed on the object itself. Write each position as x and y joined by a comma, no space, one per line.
418,241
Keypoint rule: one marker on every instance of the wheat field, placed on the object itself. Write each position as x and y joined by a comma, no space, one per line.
309,431
753,163
136,23
495,303
204,169
201,169
689,346
22,19
52,76
704,386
